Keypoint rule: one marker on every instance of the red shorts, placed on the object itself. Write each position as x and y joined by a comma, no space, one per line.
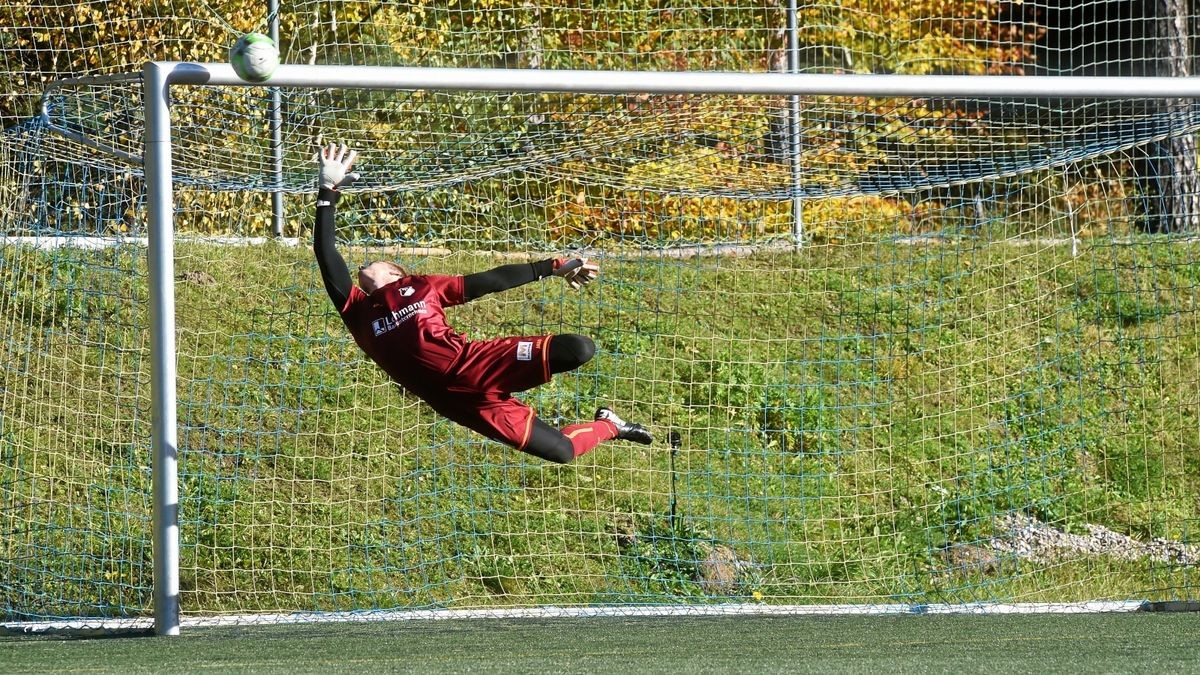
479,388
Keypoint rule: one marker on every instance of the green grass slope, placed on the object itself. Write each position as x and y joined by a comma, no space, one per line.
850,418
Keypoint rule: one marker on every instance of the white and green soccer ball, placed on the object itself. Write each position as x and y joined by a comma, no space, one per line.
254,57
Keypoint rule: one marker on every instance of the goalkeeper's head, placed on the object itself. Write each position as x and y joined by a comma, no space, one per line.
379,274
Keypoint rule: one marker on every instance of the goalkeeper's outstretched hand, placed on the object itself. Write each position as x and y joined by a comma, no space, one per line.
576,271
335,162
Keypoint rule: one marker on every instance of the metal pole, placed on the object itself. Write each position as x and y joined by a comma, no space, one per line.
620,82
276,122
161,260
793,49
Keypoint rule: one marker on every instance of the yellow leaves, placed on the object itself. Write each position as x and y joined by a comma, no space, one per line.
838,218
353,12
670,200
87,14
916,36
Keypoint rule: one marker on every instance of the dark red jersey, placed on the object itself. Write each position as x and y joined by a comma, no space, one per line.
402,327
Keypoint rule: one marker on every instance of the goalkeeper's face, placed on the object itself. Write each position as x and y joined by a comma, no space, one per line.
379,274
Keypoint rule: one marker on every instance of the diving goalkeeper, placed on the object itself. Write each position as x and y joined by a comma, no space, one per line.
398,319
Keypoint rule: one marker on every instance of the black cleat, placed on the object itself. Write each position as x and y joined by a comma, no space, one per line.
625,430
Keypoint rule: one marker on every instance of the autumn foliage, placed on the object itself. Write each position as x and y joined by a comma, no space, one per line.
725,180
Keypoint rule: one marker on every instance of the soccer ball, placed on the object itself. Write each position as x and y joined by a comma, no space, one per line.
254,57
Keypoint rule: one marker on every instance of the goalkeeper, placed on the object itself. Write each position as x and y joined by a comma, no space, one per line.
398,319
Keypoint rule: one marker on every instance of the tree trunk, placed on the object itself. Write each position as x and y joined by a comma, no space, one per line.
1167,172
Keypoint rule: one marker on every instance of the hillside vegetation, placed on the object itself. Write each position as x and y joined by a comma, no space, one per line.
849,417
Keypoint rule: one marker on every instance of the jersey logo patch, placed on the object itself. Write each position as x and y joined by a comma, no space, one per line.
524,351
391,321
407,291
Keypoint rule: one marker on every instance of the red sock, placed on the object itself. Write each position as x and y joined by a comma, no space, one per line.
585,437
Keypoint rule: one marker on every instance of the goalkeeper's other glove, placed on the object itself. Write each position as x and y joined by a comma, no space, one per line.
576,271
335,162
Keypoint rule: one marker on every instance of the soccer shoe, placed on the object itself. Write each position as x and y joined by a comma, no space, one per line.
625,430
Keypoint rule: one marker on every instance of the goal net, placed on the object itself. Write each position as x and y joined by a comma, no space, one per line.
897,352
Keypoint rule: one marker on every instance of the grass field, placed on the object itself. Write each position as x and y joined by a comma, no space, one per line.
1091,643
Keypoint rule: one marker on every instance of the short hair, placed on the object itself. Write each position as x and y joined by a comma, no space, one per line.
396,267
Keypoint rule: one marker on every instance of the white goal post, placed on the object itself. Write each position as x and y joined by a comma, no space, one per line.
159,77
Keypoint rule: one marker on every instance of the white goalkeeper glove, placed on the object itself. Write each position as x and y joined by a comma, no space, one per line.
576,271
335,162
